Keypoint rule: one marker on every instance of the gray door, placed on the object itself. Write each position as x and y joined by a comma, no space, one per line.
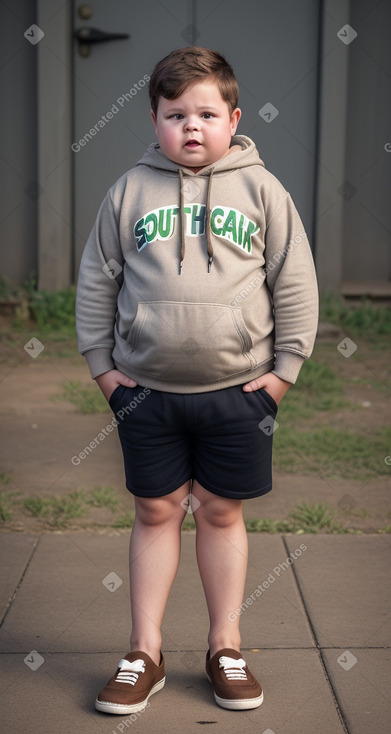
273,49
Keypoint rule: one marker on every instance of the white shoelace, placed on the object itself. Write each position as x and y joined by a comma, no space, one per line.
233,669
129,672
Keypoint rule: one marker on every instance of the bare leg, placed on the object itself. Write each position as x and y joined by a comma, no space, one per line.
154,555
222,553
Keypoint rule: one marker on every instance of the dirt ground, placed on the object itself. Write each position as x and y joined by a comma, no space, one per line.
41,436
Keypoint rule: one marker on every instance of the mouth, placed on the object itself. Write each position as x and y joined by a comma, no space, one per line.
192,144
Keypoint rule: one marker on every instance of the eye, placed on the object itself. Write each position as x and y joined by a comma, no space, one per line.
207,115
176,116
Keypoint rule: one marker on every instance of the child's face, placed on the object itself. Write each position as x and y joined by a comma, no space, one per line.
199,114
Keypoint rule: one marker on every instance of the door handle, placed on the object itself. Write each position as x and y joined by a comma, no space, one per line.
87,36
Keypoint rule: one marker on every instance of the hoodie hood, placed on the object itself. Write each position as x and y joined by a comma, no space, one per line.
242,154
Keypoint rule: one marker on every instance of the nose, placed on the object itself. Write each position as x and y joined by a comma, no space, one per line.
192,124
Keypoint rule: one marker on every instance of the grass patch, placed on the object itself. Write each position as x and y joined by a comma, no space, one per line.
314,518
7,504
37,506
188,522
87,399
267,525
5,478
318,388
332,452
52,312
359,319
303,518
103,497
58,512
124,521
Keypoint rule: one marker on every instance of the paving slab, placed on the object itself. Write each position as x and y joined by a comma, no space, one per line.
317,636
346,586
362,681
15,552
69,608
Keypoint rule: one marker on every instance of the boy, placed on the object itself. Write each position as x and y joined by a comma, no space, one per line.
196,307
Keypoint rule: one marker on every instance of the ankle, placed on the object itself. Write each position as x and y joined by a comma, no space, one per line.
153,650
217,644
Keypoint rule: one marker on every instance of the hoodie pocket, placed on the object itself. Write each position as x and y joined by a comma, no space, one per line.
196,342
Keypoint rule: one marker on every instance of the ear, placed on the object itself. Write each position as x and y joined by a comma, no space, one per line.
154,121
235,117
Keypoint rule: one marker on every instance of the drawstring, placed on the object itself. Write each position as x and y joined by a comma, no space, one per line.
207,222
182,215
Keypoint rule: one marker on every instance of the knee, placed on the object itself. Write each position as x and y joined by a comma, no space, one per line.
158,510
219,512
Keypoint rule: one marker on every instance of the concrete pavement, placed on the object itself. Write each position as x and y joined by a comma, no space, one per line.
316,633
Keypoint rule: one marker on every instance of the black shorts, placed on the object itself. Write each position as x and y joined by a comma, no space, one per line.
223,439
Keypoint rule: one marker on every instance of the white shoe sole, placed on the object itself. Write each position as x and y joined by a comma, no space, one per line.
238,704
119,708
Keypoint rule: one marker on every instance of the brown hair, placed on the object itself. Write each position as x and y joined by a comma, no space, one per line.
184,67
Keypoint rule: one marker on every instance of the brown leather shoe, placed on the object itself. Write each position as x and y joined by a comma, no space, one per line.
234,686
136,679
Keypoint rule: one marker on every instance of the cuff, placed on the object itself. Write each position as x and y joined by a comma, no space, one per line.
287,366
99,361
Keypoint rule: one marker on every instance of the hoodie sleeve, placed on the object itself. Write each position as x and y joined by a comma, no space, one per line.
291,279
100,279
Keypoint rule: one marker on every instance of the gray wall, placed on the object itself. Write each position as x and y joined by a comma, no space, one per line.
353,232
367,214
18,143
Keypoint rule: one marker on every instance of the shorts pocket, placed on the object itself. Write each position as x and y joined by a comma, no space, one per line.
265,397
268,399
192,342
116,395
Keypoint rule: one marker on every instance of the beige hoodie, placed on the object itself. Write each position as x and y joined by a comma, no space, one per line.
195,282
